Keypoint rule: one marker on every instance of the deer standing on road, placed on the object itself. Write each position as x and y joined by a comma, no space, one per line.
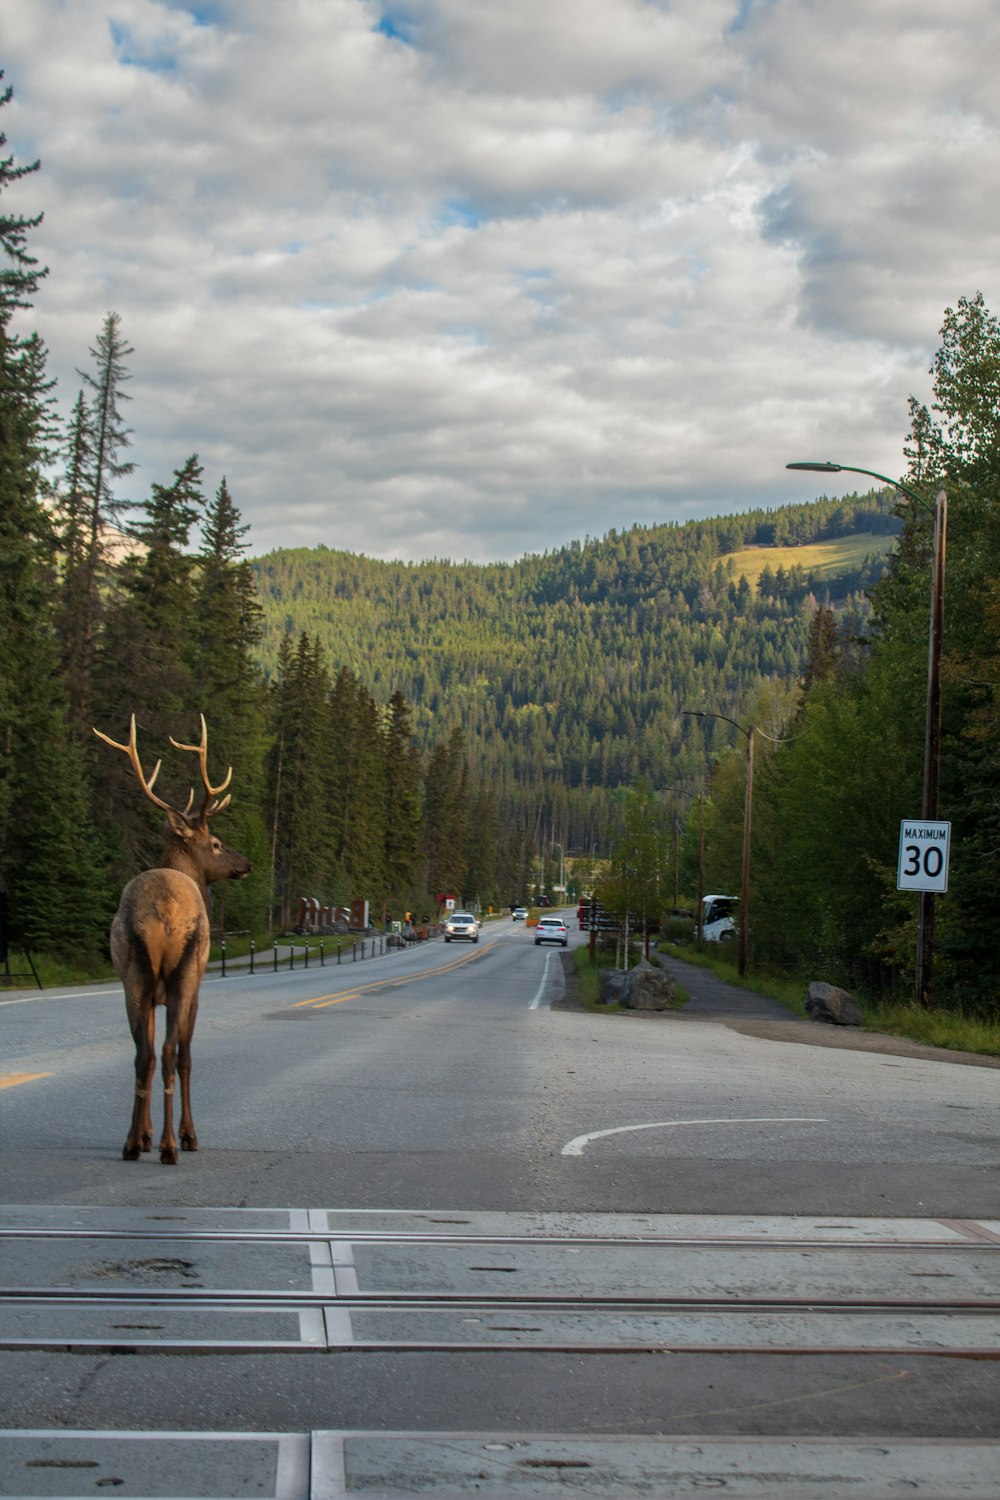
160,943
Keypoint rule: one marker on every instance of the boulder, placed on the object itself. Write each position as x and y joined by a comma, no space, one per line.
825,1002
649,988
613,984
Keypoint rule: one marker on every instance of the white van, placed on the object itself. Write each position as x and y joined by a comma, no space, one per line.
717,918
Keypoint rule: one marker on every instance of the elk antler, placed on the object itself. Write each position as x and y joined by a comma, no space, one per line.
131,750
210,803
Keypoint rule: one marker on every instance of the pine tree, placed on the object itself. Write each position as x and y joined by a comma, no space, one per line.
142,666
298,778
222,644
97,437
403,824
47,866
445,816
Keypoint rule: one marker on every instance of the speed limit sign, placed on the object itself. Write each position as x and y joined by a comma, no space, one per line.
923,856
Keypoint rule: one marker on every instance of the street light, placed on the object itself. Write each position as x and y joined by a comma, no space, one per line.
697,713
932,722
684,792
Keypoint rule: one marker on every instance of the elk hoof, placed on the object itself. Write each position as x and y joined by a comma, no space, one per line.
189,1143
168,1156
130,1152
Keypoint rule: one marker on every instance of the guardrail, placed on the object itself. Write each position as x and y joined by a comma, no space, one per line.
375,945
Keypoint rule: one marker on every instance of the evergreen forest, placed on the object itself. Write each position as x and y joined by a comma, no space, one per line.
401,731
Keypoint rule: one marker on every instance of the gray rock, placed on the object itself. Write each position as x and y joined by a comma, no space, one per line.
613,986
825,1002
649,988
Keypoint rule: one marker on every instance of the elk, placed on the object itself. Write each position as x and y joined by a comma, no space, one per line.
160,943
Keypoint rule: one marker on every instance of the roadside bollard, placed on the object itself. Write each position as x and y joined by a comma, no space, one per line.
354,952
223,958
322,960
276,957
307,955
251,955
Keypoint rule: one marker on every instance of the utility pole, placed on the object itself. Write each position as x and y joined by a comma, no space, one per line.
923,984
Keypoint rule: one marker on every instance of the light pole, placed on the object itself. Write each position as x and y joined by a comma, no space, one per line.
683,791
562,865
932,722
748,732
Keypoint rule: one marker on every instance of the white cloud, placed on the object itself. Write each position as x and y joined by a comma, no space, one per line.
452,279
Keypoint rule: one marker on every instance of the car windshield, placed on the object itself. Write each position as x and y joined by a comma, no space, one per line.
462,916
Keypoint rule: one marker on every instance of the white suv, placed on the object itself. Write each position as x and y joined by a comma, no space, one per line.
551,930
461,924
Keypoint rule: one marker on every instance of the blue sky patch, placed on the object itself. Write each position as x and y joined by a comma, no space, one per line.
132,55
396,24
460,211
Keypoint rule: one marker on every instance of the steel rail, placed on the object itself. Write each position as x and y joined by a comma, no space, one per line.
391,1237
281,1299
401,1346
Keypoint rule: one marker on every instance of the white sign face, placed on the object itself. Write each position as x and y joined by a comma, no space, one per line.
923,856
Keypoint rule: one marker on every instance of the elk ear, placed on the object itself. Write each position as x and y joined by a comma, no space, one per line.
178,824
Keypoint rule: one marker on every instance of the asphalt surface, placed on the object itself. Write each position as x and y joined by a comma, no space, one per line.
458,1081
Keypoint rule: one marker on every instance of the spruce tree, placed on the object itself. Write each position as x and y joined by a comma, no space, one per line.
446,817
97,437
142,666
222,643
300,833
47,866
403,824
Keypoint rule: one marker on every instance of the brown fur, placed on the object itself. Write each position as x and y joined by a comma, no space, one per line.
159,947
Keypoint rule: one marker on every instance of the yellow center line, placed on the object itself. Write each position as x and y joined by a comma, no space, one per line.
11,1080
320,1002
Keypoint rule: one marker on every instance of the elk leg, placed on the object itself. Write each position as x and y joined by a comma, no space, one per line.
146,1133
168,1067
189,1138
141,1021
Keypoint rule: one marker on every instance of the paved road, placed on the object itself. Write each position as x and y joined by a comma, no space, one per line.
447,1090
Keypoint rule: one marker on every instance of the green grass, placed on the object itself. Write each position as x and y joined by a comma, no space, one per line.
938,1028
53,971
589,982
840,555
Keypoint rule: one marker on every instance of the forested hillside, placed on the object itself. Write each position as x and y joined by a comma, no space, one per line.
566,673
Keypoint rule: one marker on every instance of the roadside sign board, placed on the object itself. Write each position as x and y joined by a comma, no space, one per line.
924,850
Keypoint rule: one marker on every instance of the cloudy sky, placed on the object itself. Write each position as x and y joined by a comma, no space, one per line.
470,278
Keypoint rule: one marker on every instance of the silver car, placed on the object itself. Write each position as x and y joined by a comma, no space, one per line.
461,924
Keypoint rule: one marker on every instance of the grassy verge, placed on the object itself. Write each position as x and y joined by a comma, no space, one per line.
589,985
55,972
325,943
937,1028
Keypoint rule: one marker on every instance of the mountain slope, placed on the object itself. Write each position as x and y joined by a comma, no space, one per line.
567,672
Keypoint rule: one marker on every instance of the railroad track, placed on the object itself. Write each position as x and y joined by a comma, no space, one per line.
316,1281
262,1283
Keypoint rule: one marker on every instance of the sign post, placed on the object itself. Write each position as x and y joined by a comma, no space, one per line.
924,850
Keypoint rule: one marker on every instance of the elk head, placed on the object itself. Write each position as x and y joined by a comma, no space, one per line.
190,845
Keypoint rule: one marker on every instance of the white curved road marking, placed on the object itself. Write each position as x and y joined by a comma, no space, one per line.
541,988
575,1147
